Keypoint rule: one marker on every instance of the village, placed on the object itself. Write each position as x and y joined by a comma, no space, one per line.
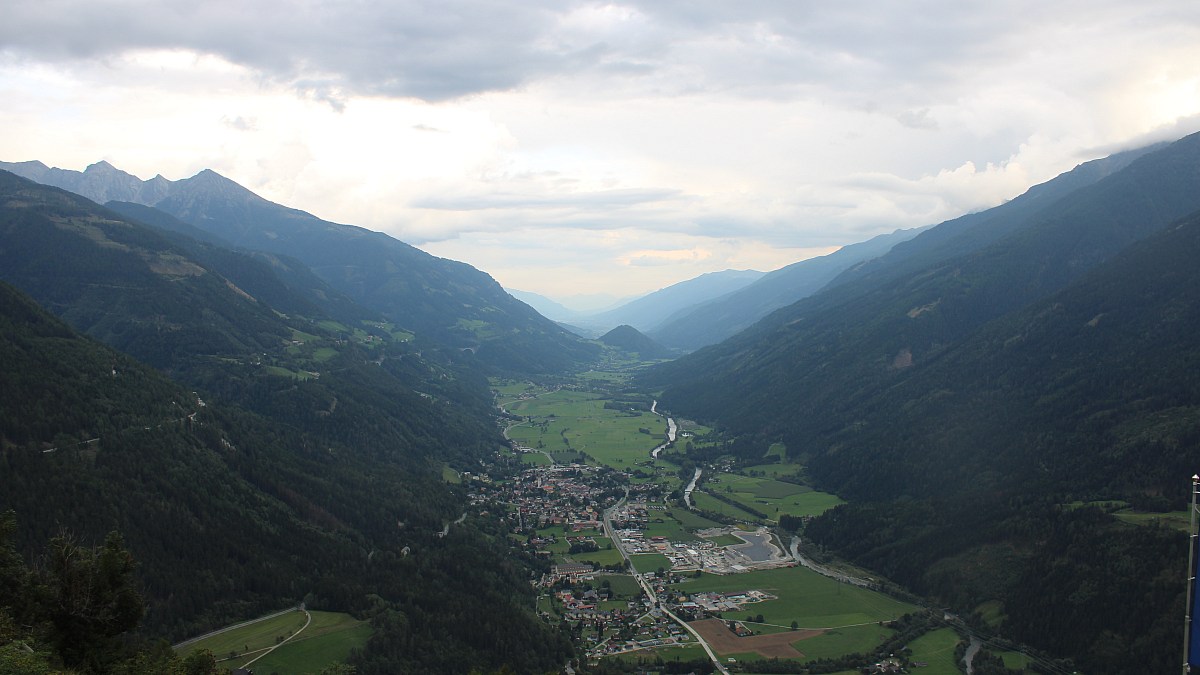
557,513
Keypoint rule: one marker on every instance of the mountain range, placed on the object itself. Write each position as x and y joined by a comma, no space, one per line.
310,465
442,300
965,386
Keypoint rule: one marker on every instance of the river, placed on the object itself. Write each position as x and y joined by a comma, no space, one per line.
687,494
672,429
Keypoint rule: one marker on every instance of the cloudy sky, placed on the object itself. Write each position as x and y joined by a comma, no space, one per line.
602,148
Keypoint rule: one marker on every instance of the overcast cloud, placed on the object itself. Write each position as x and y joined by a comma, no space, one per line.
581,147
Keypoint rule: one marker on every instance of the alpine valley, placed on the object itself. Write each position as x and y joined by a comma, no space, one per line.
993,418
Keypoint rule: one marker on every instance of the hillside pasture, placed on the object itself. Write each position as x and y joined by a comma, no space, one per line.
326,642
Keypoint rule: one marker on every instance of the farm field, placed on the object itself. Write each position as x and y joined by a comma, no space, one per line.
649,562
567,420
649,657
809,599
770,496
690,520
936,648
849,640
707,502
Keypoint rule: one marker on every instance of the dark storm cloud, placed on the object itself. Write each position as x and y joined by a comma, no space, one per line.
428,49
444,49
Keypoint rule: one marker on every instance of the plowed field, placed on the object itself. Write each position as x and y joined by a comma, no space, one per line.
775,645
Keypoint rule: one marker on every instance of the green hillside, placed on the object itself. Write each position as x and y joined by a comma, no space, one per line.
300,459
960,406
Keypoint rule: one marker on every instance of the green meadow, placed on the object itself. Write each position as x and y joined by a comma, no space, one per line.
575,421
326,641
936,649
765,494
809,599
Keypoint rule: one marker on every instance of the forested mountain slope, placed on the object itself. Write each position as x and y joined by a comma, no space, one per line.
959,406
442,300
782,376
1086,397
306,465
873,263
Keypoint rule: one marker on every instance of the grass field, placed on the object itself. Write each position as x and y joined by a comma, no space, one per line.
326,642
648,657
809,503
691,521
602,557
1014,660
809,599
850,640
535,458
707,502
992,612
1178,520
256,636
622,585
670,528
650,562
937,649
578,421
726,540
770,496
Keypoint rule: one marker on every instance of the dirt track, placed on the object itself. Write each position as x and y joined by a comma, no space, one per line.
775,645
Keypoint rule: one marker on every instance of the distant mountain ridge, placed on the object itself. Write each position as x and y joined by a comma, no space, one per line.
100,182
650,310
444,300
545,306
722,316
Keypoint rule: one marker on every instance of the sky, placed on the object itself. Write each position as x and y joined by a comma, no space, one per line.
586,148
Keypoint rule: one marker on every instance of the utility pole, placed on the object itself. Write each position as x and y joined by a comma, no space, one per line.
1188,641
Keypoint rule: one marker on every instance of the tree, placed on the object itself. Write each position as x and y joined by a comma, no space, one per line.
89,599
